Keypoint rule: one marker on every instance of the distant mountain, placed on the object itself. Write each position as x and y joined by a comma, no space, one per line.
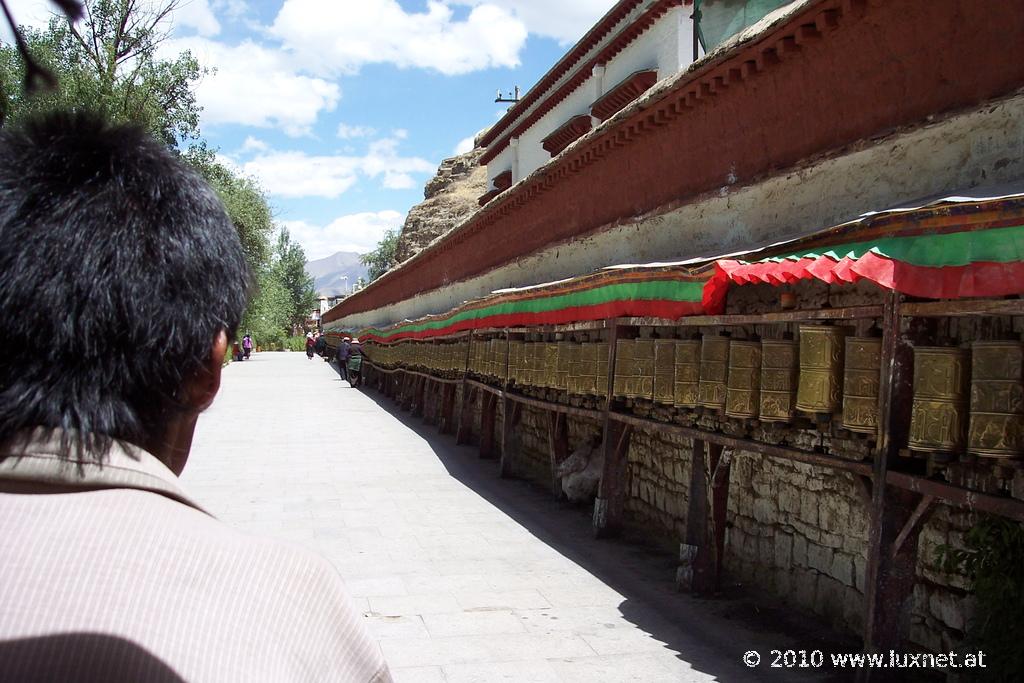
329,273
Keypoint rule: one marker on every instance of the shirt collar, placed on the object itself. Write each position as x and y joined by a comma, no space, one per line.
37,460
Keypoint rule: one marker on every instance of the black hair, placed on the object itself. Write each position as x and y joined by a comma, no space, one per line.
118,268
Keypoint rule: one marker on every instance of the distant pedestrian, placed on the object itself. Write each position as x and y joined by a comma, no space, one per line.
247,345
343,353
355,364
310,343
320,345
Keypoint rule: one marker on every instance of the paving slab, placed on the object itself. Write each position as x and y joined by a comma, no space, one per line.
460,575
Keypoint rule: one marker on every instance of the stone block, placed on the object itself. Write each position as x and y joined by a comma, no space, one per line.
947,608
764,510
806,584
783,550
809,509
819,558
799,551
831,540
859,569
842,568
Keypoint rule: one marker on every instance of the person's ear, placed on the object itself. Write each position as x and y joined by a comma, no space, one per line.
206,383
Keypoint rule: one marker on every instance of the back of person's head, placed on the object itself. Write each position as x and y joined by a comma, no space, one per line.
120,268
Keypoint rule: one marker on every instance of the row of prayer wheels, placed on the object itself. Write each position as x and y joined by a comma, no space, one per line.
969,400
771,380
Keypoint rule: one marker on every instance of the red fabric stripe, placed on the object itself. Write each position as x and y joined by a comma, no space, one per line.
951,282
614,309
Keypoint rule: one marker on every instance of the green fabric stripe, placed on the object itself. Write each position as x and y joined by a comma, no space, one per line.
667,290
996,245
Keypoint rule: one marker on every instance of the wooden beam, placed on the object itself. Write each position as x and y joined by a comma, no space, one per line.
848,313
747,445
719,462
1011,508
466,410
913,524
611,492
697,521
964,307
890,571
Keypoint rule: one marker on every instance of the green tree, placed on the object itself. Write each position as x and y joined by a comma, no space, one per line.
108,63
289,268
382,259
244,200
269,316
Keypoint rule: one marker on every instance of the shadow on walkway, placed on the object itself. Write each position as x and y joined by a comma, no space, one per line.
703,632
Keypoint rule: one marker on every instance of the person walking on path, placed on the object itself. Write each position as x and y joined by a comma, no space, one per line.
343,353
247,345
310,344
111,571
320,347
355,364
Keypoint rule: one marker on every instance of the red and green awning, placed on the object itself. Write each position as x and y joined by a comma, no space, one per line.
944,252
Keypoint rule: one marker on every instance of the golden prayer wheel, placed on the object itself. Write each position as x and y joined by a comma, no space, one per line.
600,377
550,377
744,378
642,381
588,368
939,410
821,366
997,399
664,370
687,373
714,363
624,349
861,378
779,373
515,362
575,365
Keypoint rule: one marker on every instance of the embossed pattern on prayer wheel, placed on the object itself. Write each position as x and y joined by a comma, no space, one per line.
515,362
575,363
714,363
821,366
997,399
861,378
744,379
601,351
589,356
939,411
549,376
687,373
623,367
779,372
562,361
664,370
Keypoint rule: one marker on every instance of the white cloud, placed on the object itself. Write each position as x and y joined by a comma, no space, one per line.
298,174
330,37
197,15
252,144
347,132
359,232
33,13
565,20
465,145
257,86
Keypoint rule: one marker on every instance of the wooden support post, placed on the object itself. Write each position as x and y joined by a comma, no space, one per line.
509,423
416,395
558,447
465,426
613,432
718,468
446,423
487,424
889,575
697,522
611,493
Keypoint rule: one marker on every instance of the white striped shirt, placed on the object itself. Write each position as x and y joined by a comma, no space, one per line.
112,573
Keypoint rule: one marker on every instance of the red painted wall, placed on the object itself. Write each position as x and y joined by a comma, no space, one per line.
839,72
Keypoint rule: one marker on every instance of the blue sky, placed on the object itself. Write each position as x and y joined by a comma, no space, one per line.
342,109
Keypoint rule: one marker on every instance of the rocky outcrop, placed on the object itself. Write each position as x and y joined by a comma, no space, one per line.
450,197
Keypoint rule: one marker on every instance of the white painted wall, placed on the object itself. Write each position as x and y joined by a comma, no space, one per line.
978,148
667,46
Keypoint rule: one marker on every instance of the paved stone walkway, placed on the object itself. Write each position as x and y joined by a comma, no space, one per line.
461,576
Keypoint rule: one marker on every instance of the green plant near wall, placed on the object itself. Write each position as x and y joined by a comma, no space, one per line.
993,561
